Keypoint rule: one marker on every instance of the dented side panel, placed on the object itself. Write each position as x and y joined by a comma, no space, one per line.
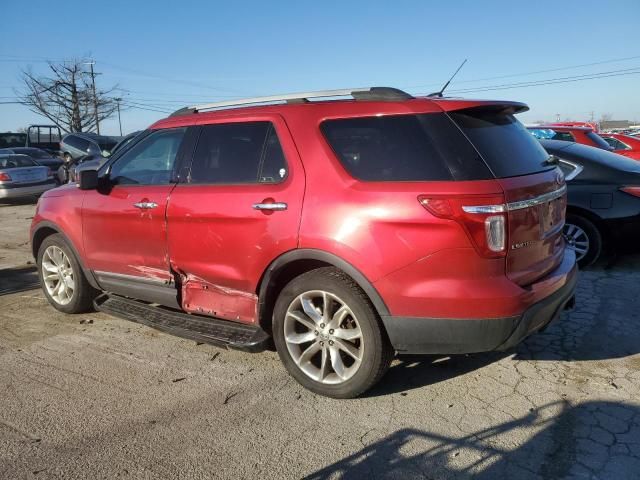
220,246
204,298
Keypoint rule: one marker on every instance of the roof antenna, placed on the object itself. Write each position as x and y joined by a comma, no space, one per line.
439,94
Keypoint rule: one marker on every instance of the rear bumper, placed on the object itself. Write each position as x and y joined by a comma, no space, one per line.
449,336
16,191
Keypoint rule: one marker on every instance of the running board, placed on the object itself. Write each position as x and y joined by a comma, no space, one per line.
194,327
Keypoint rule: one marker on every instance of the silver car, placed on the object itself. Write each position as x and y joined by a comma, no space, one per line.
21,176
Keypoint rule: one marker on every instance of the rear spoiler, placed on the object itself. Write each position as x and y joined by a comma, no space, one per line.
507,107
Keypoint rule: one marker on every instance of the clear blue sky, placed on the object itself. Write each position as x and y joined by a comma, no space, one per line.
169,54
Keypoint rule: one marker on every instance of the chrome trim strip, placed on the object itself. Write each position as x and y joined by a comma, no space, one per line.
519,205
500,208
576,169
532,202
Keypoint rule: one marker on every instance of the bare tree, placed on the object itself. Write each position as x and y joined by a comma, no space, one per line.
66,96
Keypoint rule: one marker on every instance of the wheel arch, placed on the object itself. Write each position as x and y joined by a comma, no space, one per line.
46,229
589,215
295,262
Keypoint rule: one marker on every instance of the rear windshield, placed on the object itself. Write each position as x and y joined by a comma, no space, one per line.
15,161
504,143
107,144
424,147
598,141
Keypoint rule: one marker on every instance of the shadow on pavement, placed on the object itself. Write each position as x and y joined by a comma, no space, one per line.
18,279
591,440
415,371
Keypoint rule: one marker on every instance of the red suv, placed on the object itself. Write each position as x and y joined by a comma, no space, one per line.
342,230
567,133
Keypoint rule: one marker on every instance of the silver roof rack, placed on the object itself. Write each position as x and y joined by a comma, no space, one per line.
369,93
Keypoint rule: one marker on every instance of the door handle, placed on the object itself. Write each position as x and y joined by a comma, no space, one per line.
273,206
145,205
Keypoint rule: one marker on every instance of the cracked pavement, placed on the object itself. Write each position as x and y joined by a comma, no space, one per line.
116,399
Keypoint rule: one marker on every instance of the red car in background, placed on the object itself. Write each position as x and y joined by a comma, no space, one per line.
623,144
583,135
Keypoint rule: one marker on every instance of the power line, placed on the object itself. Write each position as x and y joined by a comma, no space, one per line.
551,81
511,75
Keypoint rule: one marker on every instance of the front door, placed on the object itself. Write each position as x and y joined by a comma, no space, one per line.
238,210
124,226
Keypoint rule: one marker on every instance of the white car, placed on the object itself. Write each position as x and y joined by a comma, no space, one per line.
21,176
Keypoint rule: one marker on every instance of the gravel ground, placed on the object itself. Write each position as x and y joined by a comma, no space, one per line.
92,396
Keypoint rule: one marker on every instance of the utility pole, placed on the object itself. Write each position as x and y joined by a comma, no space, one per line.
118,100
95,97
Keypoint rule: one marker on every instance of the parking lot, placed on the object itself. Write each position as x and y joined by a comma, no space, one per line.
93,396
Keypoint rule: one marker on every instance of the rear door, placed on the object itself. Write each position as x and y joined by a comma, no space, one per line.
534,190
237,210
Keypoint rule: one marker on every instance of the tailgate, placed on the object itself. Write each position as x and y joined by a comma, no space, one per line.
536,207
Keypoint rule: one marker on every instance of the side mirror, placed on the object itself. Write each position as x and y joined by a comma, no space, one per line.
88,179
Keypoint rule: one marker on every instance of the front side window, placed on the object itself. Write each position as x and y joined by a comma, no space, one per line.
149,162
237,153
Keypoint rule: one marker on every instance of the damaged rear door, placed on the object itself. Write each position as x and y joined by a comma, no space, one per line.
238,208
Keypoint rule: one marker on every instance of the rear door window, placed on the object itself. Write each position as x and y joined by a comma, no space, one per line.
238,153
392,148
504,143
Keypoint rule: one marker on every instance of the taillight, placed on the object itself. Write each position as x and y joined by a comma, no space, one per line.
635,191
5,177
483,218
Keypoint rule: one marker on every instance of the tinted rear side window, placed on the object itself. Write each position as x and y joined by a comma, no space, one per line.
235,153
504,143
422,147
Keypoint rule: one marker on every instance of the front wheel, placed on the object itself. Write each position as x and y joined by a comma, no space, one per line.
63,281
583,237
329,336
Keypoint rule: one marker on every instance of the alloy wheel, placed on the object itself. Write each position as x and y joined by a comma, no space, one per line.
323,337
577,240
58,275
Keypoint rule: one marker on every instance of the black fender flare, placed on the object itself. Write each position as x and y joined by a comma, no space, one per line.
52,226
326,257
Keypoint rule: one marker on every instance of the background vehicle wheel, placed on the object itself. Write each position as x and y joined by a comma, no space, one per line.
329,336
583,237
63,281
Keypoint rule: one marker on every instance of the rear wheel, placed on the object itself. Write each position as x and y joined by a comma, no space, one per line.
583,237
329,336
63,281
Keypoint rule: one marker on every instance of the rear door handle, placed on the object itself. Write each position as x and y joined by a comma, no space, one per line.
270,206
145,205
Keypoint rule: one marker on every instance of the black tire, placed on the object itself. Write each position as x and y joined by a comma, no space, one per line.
377,352
81,300
593,234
